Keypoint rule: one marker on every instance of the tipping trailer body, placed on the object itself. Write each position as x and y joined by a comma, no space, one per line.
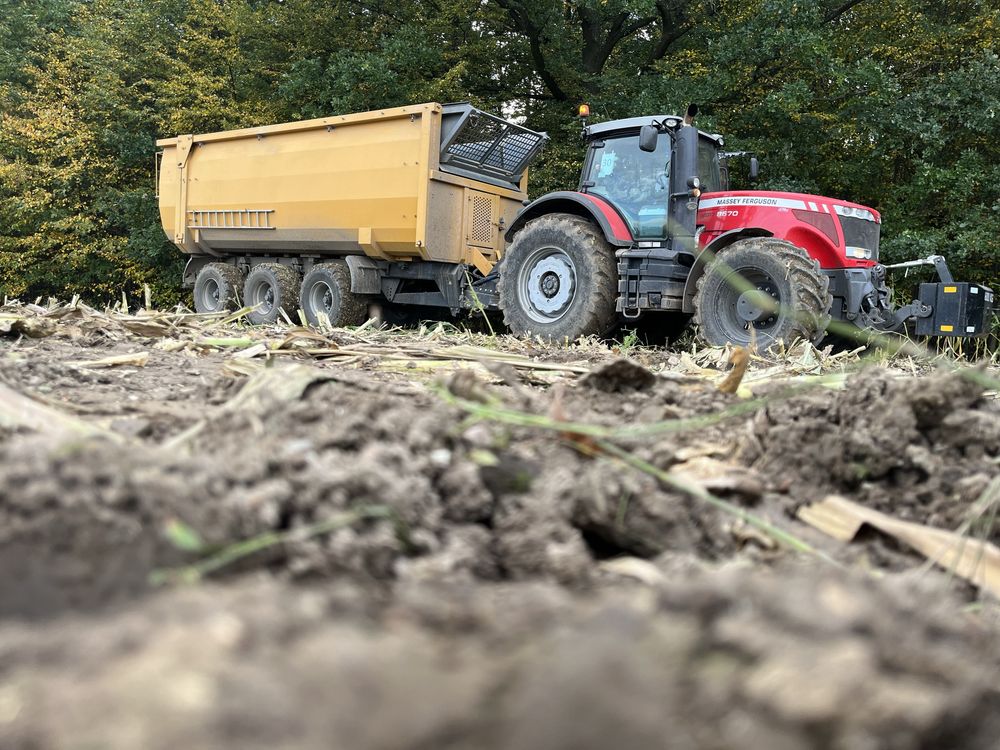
429,182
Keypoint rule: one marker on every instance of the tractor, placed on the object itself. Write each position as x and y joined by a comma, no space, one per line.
653,234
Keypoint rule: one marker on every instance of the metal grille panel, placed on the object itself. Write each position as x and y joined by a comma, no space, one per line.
492,145
481,230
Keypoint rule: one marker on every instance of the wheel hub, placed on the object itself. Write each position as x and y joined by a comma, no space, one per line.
321,297
758,307
211,295
548,284
261,296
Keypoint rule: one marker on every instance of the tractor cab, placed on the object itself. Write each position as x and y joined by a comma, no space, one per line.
642,183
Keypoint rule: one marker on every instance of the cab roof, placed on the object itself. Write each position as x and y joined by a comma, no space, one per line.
634,123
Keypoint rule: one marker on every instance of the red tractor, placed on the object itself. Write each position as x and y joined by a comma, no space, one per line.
639,238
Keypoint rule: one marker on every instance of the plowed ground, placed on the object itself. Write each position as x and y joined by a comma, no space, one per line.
420,577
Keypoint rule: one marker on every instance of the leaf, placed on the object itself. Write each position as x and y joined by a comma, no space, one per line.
139,359
974,560
182,536
226,342
739,360
18,411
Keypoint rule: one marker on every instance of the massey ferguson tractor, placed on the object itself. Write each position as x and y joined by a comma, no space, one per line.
653,233
426,207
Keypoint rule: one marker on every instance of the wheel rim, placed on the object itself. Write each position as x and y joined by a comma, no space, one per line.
757,307
321,298
211,295
547,284
261,296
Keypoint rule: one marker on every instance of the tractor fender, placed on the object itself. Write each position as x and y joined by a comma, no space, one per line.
698,269
590,207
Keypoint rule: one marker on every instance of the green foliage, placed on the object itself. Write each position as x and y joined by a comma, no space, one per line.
894,104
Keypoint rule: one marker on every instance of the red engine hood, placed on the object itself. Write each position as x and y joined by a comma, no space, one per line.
776,199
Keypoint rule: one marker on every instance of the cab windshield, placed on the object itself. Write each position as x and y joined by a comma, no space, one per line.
636,182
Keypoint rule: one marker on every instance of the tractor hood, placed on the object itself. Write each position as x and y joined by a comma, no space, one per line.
787,201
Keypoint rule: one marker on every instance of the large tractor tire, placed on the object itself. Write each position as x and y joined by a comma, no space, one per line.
768,290
217,288
326,291
559,280
270,288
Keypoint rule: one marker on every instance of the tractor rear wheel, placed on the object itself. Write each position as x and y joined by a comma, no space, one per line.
326,292
270,288
559,280
217,288
764,290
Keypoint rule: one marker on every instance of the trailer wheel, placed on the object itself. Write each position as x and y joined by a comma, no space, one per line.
270,288
217,287
784,296
559,280
326,290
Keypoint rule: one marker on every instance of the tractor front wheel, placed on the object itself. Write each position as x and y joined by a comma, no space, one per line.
559,280
762,291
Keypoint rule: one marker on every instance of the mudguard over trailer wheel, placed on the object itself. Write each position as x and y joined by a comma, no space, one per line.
326,291
559,280
783,296
270,288
217,288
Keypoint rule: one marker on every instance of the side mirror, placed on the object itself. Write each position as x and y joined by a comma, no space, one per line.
648,136
754,168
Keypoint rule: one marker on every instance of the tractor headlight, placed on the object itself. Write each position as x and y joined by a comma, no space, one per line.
861,253
858,213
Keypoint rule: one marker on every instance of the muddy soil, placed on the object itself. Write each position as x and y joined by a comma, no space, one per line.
429,579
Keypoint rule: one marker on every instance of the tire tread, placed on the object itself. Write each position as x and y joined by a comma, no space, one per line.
811,290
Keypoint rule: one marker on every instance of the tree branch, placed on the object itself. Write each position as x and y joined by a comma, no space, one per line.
674,24
597,50
524,23
837,12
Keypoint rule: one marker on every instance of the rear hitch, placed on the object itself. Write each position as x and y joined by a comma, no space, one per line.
938,261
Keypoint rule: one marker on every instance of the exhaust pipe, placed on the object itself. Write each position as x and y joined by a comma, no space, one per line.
691,113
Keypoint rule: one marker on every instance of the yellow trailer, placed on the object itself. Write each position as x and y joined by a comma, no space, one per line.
408,203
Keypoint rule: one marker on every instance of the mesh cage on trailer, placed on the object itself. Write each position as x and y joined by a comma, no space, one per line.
479,145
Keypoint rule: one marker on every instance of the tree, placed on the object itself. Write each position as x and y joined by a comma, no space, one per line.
891,104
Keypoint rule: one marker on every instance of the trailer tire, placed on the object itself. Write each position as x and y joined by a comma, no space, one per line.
270,288
559,280
326,289
217,288
785,273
